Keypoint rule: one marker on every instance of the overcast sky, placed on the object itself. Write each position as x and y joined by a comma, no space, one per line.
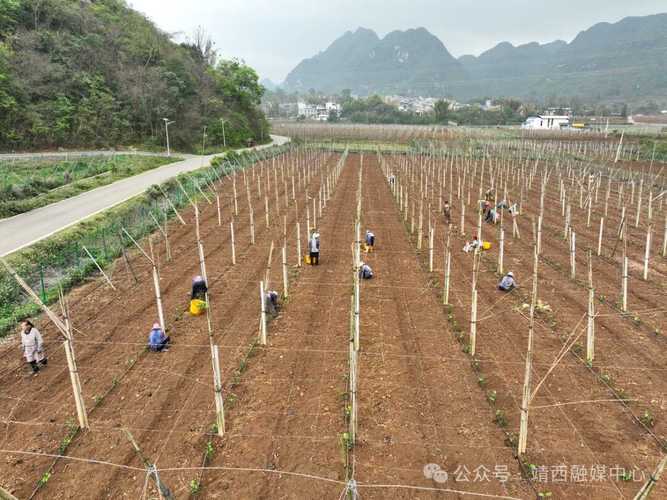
275,35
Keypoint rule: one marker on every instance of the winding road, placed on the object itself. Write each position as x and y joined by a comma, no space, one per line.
25,229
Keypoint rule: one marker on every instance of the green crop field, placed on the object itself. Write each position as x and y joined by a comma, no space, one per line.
29,184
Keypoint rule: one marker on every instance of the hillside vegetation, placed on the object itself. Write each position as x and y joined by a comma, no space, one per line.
97,73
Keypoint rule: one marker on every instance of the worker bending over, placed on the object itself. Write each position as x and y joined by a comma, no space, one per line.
272,303
507,284
365,271
370,240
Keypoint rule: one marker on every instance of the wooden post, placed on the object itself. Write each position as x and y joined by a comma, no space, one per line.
231,229
158,298
420,233
590,329
266,210
285,287
5,495
217,389
262,320
217,203
525,400
600,236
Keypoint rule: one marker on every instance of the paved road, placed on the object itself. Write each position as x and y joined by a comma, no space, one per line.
28,228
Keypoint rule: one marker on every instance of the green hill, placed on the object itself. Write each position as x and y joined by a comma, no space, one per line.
96,73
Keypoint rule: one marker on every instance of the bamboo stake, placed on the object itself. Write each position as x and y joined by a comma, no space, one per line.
217,204
645,491
285,287
98,267
163,490
430,249
624,285
217,389
79,402
448,267
473,304
647,251
573,256
590,330
298,245
171,205
252,227
600,236
267,275
231,230
5,495
525,402
262,321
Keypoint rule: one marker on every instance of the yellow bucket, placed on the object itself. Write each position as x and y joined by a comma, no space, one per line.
197,307
486,245
306,259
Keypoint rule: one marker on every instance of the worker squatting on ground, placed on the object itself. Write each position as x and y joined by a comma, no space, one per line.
365,271
507,284
370,240
272,302
314,248
158,341
32,345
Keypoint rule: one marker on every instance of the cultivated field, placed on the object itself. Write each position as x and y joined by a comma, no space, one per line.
424,382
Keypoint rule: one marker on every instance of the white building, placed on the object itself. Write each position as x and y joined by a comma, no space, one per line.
319,112
546,122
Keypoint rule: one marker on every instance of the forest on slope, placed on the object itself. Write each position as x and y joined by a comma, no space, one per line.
95,73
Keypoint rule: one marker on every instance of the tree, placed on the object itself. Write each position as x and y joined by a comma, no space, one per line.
441,109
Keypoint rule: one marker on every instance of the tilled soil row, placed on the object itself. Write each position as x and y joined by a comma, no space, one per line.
287,414
418,401
505,377
132,320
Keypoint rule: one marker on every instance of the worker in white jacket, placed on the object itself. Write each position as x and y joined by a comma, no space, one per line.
314,248
32,345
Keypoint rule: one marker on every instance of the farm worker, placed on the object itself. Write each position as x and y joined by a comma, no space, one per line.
513,209
490,215
370,239
488,194
472,245
272,304
32,345
314,248
447,210
392,179
199,288
157,340
507,284
365,271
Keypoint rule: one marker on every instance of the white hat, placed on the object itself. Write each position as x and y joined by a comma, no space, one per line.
510,274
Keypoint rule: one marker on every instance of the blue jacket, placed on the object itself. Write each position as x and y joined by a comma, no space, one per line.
156,338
